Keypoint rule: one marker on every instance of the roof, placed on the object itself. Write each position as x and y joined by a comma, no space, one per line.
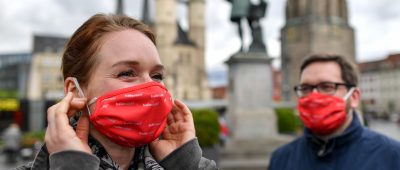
48,43
388,63
183,37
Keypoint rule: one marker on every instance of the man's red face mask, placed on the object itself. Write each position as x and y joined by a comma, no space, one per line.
321,113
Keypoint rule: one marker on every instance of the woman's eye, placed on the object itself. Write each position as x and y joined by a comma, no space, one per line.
129,73
158,77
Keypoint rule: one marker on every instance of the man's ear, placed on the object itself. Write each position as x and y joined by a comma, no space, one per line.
355,98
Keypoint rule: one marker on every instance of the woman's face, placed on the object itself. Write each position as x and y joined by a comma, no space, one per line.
125,58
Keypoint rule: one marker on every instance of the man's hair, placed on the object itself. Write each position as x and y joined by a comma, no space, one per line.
349,72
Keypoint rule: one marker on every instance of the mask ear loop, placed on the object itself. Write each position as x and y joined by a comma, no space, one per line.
80,93
348,94
346,97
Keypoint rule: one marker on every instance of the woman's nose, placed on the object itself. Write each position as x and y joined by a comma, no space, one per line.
146,79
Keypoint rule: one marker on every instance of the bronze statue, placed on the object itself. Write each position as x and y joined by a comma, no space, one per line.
253,12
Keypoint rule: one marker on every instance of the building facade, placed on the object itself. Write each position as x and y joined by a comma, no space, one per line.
45,80
14,69
313,26
379,84
13,94
277,80
45,83
14,72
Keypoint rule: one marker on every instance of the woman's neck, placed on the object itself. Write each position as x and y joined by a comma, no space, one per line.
121,155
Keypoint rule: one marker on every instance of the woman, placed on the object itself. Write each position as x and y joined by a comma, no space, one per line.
127,119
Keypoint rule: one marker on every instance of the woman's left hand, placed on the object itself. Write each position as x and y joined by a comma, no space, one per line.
179,130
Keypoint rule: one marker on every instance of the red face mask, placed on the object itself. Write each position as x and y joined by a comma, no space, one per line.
132,116
321,113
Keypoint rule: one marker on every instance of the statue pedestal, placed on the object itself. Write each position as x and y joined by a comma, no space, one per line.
250,115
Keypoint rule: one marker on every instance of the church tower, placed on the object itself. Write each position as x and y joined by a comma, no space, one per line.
120,7
166,23
182,51
313,26
197,22
197,34
165,26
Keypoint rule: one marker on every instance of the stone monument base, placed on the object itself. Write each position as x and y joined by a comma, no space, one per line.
252,124
253,140
250,114
248,154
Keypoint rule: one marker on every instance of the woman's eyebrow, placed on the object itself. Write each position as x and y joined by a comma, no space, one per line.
125,62
159,67
136,63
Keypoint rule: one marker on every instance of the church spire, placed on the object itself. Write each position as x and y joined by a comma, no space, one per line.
120,7
146,13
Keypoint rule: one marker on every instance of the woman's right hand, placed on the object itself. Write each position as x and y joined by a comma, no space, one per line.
60,135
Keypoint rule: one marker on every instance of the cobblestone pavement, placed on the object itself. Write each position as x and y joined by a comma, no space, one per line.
387,128
4,166
20,161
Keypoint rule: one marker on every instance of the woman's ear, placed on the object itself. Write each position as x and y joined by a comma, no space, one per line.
69,86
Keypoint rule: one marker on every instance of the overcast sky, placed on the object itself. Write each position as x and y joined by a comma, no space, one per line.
377,25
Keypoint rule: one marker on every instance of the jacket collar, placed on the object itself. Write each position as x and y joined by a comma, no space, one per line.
324,148
41,161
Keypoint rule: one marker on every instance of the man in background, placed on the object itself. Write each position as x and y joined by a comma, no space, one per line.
333,137
12,139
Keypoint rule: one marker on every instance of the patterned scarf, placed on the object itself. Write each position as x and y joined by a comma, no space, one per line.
142,158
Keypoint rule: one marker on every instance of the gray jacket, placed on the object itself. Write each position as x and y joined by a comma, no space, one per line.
187,157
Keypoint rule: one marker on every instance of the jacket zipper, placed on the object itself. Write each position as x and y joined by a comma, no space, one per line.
322,151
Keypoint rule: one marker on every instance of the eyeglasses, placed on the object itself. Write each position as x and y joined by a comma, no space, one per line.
329,88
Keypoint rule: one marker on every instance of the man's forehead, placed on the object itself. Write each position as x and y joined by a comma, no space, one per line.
319,72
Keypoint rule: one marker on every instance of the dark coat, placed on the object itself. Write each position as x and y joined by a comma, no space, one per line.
357,148
188,156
